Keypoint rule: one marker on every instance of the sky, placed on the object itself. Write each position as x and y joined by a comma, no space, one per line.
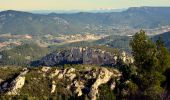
28,5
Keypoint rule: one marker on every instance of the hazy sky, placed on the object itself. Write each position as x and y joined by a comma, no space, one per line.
77,4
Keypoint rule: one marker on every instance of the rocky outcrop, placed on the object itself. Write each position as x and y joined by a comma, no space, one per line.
13,87
1,80
45,69
90,56
79,80
68,74
53,87
100,75
103,77
78,86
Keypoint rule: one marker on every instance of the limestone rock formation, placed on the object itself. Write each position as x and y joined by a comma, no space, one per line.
90,56
77,80
78,86
13,87
45,69
68,73
1,80
103,77
56,72
53,87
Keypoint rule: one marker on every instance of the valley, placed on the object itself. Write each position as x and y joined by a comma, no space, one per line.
8,41
121,55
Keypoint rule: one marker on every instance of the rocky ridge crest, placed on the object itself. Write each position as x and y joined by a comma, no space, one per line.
80,81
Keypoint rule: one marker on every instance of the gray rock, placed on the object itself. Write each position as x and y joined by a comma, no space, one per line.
86,55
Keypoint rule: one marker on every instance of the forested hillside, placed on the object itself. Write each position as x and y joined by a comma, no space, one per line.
22,55
165,37
17,22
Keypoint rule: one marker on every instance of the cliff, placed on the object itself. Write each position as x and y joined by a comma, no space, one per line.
88,56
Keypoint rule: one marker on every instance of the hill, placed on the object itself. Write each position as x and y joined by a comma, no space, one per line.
165,37
22,55
17,22
115,41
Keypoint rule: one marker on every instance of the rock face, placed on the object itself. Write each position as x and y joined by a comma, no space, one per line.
90,56
13,87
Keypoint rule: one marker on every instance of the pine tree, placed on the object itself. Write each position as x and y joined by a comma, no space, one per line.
151,61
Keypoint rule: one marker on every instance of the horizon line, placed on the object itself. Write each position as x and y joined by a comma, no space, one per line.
98,9
81,11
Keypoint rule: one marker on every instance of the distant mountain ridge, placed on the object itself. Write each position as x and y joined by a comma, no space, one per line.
76,11
17,22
